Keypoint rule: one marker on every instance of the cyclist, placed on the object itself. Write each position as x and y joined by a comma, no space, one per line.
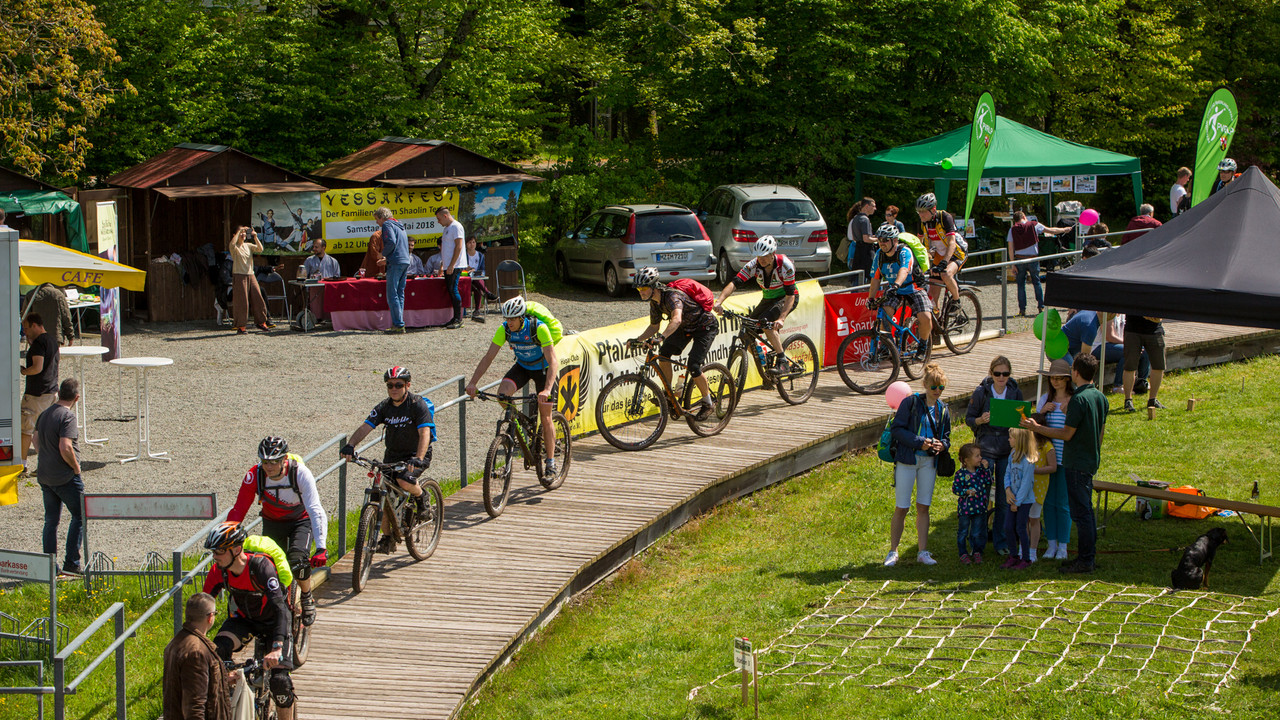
946,245
410,422
536,361
262,609
291,512
896,261
776,275
686,320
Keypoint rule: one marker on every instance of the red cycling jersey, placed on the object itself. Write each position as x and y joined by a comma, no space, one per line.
257,591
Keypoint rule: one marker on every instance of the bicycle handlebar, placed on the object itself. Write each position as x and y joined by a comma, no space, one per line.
503,398
393,468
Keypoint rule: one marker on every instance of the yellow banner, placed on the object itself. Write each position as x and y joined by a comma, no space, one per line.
9,475
348,214
590,359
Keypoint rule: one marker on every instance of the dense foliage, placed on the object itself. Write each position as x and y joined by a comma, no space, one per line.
622,100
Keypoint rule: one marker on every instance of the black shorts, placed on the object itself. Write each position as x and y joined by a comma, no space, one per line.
936,270
771,308
293,536
1135,343
702,340
261,633
520,375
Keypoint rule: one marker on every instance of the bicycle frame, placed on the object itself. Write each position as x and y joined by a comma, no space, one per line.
652,367
748,338
887,324
525,427
389,496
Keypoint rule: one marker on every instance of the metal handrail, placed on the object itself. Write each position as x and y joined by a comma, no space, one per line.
38,690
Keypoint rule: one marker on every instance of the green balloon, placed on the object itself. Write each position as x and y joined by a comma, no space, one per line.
1051,317
946,163
1056,346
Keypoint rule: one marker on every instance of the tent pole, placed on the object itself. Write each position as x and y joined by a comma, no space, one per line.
942,189
1137,190
1102,351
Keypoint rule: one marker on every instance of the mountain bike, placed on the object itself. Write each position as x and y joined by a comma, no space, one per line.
420,530
869,360
519,429
301,631
794,372
958,320
632,411
257,677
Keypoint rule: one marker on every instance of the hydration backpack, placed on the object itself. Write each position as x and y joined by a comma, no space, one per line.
540,311
696,291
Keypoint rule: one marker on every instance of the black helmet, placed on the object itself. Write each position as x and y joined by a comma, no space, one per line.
226,535
397,373
273,448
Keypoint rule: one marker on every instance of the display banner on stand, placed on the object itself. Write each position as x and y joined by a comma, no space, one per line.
981,132
1217,128
109,298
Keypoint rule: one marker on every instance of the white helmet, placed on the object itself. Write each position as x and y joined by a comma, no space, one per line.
513,308
646,277
927,201
1227,165
765,246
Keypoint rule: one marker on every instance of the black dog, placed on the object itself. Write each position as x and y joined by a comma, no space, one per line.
1193,572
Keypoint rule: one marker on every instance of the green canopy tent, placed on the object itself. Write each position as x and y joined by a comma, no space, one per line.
1016,151
22,194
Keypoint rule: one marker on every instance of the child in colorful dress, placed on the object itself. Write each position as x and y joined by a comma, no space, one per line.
1019,488
972,483
1046,466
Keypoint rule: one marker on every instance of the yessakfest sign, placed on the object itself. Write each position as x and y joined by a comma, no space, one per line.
347,215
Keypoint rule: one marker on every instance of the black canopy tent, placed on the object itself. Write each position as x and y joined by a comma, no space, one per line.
1215,263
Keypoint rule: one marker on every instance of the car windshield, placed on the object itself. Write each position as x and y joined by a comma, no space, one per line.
780,210
667,227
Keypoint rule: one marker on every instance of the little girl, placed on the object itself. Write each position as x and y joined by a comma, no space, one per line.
1019,488
972,483
1046,466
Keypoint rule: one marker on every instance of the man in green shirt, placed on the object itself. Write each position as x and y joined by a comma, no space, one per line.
1086,425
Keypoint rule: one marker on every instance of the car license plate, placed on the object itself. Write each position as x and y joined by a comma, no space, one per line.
791,241
671,256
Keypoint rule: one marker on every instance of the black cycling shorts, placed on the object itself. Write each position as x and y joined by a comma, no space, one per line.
936,270
519,375
702,340
771,308
245,630
293,536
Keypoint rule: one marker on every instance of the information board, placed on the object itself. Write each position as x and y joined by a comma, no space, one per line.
742,657
150,507
25,566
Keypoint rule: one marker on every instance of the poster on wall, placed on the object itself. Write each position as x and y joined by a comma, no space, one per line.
287,222
348,214
990,187
109,298
1038,185
1061,184
1086,183
1017,186
489,211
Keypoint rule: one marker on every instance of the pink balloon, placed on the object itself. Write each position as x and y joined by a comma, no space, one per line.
896,393
1089,217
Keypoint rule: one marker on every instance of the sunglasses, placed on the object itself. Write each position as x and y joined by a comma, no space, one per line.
937,387
996,373
395,386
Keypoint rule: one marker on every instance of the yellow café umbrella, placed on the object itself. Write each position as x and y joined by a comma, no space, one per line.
42,262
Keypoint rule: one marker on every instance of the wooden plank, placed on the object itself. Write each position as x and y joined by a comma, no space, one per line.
1184,499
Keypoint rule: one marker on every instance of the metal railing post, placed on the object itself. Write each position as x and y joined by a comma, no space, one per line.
177,597
462,433
120,681
59,688
342,504
1004,294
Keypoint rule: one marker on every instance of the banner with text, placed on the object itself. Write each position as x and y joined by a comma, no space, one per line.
108,298
348,214
846,313
981,131
1217,128
287,223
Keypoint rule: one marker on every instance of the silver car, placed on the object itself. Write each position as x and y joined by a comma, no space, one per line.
737,215
612,243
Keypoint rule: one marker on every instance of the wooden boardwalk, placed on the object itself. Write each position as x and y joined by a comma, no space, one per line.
422,636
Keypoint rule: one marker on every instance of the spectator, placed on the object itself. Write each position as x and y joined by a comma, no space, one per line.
41,372
416,268
59,473
246,292
922,431
1082,433
994,441
321,265
475,261
1226,173
1178,195
1143,334
891,217
435,265
50,302
196,685
1057,511
862,240
972,485
1023,241
372,263
453,253
1020,494
395,263
1144,220
1081,329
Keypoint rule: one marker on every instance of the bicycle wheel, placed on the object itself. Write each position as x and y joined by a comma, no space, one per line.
797,373
868,362
631,412
722,397
912,353
301,632
563,453
497,474
962,322
366,540
739,363
422,538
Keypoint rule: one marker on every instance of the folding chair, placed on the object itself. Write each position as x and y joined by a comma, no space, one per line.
274,279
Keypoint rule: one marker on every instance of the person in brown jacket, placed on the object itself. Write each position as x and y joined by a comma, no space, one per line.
196,684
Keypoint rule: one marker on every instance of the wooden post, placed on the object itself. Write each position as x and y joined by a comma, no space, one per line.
755,683
744,687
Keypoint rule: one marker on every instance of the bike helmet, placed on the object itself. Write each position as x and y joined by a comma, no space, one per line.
514,308
273,448
887,231
225,536
927,201
646,277
397,373
1227,165
765,246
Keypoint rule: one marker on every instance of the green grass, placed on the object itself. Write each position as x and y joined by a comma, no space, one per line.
637,644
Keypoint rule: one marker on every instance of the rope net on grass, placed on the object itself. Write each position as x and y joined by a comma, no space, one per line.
1099,637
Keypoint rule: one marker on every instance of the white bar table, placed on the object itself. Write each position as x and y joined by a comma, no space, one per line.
80,352
140,366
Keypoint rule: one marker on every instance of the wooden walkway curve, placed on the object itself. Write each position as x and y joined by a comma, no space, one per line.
423,636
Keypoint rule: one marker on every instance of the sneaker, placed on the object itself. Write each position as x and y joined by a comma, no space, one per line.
965,560
977,558
1002,551
491,297
1154,403
386,545
1021,565
549,468
1010,562
308,609
453,324
394,330
1032,556
69,569
1076,567
1061,554
891,559
924,557
1128,405
477,318
704,411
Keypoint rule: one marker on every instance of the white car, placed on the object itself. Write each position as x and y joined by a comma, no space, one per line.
735,216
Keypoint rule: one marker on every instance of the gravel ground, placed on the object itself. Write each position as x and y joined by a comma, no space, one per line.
225,392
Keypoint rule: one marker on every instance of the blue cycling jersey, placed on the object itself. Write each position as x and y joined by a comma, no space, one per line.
527,342
901,258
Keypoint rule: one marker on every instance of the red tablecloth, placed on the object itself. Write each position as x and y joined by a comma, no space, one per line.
362,304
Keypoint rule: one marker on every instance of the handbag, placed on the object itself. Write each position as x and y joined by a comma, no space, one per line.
944,463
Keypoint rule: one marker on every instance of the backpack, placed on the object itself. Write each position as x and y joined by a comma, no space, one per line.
887,447
540,311
917,249
696,291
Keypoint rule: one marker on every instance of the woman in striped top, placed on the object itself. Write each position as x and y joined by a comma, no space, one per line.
1057,513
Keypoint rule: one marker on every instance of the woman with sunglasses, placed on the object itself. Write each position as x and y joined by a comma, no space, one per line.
921,431
994,441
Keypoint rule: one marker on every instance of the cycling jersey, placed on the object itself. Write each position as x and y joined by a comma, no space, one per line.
527,342
778,281
889,264
693,317
937,230
290,498
258,592
402,423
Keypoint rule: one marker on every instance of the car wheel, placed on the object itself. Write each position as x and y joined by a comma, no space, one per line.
612,285
562,268
724,271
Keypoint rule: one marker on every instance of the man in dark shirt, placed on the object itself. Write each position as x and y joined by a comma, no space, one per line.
59,473
51,303
1143,333
41,372
686,320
